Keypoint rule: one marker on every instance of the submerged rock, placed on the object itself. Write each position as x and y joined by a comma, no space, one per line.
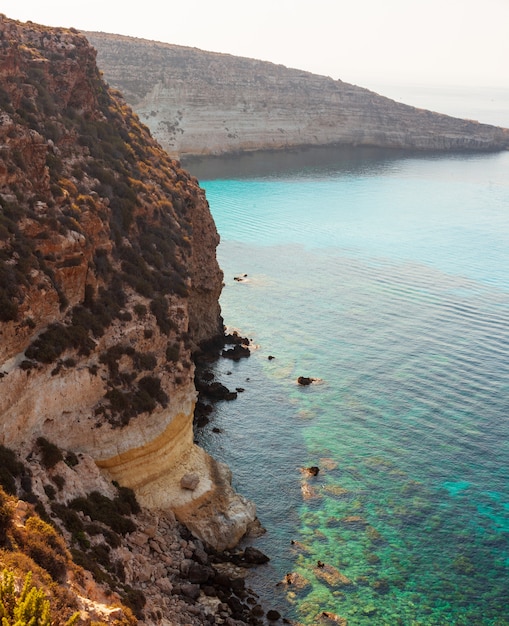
326,617
354,521
331,575
296,581
308,491
369,610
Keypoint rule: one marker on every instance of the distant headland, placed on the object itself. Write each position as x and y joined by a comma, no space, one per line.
205,103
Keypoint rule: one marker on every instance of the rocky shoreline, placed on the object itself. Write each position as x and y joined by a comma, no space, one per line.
184,579
184,582
207,586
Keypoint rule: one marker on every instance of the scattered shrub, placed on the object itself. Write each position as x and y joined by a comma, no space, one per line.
8,308
101,509
94,529
119,401
172,352
40,542
140,402
50,453
84,318
159,308
26,483
82,540
102,263
152,386
59,481
126,501
72,261
50,491
10,469
5,516
70,519
101,554
27,606
27,365
29,322
112,538
49,345
71,459
80,557
135,600
111,356
140,310
144,361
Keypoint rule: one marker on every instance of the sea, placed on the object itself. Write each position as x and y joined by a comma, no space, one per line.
384,276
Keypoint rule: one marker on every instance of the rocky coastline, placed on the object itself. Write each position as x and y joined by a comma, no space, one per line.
109,295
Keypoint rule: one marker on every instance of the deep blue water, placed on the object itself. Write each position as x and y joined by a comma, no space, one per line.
386,277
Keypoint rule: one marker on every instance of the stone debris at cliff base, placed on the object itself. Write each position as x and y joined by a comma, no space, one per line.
189,481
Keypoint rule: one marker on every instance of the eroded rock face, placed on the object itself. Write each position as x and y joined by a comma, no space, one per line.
108,276
200,103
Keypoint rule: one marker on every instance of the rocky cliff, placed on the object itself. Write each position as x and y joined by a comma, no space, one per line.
108,286
199,103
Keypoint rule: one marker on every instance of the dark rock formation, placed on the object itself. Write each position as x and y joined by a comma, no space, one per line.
255,556
304,380
236,353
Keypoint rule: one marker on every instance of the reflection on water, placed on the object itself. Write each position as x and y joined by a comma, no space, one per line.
308,162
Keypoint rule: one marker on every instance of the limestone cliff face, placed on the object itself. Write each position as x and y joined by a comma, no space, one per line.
199,103
108,277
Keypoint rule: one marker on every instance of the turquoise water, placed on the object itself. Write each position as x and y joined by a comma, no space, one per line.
386,277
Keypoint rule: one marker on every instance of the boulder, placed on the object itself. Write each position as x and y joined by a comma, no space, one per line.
199,574
254,556
190,591
189,481
331,575
273,615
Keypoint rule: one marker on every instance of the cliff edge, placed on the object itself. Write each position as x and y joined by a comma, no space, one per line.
109,284
201,103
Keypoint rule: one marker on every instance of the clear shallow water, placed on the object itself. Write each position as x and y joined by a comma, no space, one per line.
387,277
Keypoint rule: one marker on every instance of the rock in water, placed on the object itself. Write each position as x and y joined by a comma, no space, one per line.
304,380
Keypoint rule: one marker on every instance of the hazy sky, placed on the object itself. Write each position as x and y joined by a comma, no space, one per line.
437,42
